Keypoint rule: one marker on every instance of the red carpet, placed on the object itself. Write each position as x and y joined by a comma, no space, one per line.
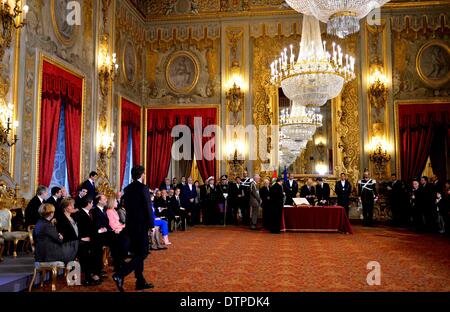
239,260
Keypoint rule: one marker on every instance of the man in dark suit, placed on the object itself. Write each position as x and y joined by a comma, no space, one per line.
343,190
87,255
165,185
322,192
276,205
188,194
397,201
103,231
307,191
291,189
54,199
32,211
264,193
89,184
139,221
80,198
175,205
182,184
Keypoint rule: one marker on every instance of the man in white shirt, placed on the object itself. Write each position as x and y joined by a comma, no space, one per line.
291,189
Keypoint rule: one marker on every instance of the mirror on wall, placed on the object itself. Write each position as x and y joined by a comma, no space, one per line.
317,156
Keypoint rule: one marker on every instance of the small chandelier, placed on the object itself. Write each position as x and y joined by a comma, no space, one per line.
108,67
342,16
301,123
316,75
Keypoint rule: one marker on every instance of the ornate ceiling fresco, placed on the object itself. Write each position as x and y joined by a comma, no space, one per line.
172,8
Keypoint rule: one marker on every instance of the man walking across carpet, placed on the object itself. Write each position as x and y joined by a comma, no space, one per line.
139,221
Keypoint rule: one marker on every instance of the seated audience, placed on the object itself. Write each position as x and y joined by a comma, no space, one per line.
68,228
48,242
119,248
178,210
163,226
165,185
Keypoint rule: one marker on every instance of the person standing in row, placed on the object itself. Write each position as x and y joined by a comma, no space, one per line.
343,190
322,192
291,189
276,205
264,193
307,191
255,200
367,194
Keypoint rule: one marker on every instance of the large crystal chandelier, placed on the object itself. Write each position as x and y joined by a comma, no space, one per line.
342,16
316,75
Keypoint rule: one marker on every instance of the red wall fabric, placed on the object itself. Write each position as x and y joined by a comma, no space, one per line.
159,141
419,125
130,118
58,86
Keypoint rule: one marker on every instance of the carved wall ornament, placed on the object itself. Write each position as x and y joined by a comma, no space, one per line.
64,32
182,72
129,62
433,63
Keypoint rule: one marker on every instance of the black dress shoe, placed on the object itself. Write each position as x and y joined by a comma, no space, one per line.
142,286
119,281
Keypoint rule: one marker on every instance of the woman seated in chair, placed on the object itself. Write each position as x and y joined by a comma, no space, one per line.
48,242
163,225
120,250
68,228
162,207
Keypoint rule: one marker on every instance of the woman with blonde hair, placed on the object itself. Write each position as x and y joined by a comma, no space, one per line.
47,239
119,248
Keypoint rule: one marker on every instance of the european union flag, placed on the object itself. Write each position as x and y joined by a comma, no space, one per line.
285,176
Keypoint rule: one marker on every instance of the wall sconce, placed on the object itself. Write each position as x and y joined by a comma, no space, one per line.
321,168
10,18
235,153
235,99
8,128
378,89
379,156
108,67
106,146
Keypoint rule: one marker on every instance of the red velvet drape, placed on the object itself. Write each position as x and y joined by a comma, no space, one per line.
159,141
419,125
204,146
131,119
58,87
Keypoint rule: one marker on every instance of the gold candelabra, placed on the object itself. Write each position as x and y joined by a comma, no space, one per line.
12,15
379,156
378,90
8,134
106,146
108,67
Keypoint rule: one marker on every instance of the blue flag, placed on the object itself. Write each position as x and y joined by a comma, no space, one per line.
285,177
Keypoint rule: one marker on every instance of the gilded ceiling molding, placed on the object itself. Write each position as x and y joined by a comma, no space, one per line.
182,32
433,24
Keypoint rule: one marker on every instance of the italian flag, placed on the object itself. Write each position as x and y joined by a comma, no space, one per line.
274,176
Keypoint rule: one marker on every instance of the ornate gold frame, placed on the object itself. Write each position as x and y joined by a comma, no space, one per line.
119,134
64,66
432,82
397,103
56,29
194,106
127,79
194,60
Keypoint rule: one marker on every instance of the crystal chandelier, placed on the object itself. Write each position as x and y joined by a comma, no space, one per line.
342,16
316,75
301,123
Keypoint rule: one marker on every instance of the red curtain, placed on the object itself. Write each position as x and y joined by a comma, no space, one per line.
131,119
58,87
159,140
421,126
204,146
